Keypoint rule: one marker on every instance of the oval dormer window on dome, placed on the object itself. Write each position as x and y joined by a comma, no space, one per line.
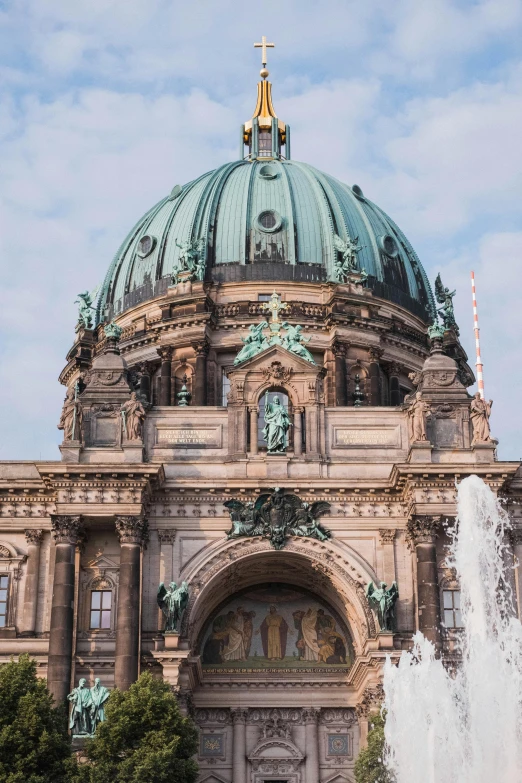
146,245
269,220
388,245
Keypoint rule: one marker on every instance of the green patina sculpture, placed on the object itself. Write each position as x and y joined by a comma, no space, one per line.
173,603
184,395
277,516
383,600
435,331
191,263
256,341
87,708
85,308
277,424
113,331
445,298
345,268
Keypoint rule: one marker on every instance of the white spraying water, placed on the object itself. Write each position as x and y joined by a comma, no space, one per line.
465,728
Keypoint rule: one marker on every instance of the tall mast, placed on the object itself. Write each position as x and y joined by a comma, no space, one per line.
478,363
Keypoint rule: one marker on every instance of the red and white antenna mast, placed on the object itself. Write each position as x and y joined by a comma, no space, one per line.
478,363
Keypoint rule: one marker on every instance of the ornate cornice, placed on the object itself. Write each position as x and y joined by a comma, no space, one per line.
132,530
34,536
422,530
66,529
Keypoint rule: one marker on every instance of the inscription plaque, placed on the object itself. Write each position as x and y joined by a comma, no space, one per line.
189,437
345,437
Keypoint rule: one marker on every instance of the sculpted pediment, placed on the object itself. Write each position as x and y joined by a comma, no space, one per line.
276,367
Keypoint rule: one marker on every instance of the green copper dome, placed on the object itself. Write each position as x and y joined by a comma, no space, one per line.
272,220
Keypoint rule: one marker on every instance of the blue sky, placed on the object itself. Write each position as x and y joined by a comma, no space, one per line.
105,105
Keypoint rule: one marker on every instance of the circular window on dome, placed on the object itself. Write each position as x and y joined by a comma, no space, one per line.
146,245
269,221
357,191
388,245
267,172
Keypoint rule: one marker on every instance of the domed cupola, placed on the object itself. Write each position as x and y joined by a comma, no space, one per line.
266,217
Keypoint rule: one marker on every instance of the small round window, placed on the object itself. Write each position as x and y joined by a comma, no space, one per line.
269,221
267,172
388,245
146,245
357,191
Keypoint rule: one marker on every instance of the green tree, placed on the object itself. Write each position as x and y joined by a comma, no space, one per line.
34,743
144,739
370,766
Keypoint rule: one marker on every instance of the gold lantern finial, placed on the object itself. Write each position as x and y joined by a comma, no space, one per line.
264,45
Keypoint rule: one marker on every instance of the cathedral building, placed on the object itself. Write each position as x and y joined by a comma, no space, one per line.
264,425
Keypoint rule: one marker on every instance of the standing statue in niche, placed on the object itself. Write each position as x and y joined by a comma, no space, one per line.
480,411
445,298
173,603
132,417
277,424
417,411
383,600
72,416
80,718
99,695
295,342
254,343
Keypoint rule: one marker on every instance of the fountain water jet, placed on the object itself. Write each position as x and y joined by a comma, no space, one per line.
465,727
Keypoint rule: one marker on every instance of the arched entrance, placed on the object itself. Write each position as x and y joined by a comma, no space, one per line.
279,646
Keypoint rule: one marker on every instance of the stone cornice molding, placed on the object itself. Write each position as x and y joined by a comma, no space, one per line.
34,536
131,530
67,529
423,530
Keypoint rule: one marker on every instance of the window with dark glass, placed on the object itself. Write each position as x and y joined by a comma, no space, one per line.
101,607
451,605
268,220
265,144
4,585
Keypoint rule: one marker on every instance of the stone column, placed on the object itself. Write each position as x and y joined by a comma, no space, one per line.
200,380
131,531
373,373
165,377
34,541
298,432
516,543
422,536
395,392
239,765
311,717
146,369
66,532
387,537
339,352
253,430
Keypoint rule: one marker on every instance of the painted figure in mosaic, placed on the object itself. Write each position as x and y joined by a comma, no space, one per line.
277,424
417,412
255,342
383,600
71,419
274,631
80,718
480,411
295,342
235,647
133,416
173,603
99,695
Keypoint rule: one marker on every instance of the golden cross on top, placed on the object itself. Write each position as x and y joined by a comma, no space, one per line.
275,305
264,46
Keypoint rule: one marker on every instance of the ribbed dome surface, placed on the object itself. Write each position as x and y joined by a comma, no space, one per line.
270,215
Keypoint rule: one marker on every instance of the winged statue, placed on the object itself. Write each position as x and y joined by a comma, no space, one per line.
348,248
277,516
445,297
85,308
383,600
173,602
191,259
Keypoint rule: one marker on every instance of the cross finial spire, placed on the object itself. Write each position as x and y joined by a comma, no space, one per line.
264,46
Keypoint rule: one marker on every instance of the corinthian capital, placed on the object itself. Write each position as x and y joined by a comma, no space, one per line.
132,530
66,529
34,536
422,530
